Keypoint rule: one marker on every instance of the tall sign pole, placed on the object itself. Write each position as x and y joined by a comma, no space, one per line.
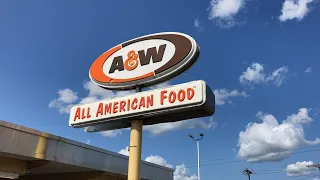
135,148
138,63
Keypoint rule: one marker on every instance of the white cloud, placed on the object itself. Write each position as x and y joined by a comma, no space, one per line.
97,91
67,96
225,8
158,160
278,76
316,112
111,133
159,129
308,70
255,75
212,124
180,173
294,9
271,141
223,11
64,102
197,24
299,168
62,107
223,95
124,151
302,117
89,99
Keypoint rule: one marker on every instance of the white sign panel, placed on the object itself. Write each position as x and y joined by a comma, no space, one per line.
143,104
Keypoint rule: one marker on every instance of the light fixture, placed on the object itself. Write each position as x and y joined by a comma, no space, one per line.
7,175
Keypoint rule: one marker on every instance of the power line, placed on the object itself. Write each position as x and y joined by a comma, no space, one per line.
264,172
268,170
268,173
307,177
217,159
286,177
203,165
314,165
258,172
236,161
234,158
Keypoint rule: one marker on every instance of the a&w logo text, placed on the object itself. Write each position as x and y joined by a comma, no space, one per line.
135,58
144,61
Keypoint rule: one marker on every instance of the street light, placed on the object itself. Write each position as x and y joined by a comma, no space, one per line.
197,140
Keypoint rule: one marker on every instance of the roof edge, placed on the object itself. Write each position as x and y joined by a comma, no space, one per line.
73,142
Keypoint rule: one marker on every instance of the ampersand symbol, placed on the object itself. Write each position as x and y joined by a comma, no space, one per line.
132,62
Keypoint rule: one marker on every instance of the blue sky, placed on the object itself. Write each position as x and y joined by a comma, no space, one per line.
260,57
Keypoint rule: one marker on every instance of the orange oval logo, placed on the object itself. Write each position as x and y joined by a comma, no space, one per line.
144,61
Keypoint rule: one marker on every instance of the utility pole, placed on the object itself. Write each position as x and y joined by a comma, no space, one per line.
248,173
314,165
198,151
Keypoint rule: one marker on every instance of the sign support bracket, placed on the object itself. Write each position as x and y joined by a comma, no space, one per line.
135,147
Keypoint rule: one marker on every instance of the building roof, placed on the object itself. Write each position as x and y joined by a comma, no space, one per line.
50,154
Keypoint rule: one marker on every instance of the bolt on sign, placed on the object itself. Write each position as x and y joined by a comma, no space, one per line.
179,102
144,61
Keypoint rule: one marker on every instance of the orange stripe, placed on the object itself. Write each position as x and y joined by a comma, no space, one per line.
132,79
96,69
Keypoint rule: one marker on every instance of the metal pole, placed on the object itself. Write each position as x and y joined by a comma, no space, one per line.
135,148
198,160
198,151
